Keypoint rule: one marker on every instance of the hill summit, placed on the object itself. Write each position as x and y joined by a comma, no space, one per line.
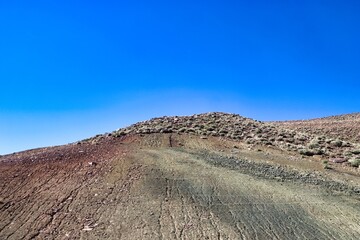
281,135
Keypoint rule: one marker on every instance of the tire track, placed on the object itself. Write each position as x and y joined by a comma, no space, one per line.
250,212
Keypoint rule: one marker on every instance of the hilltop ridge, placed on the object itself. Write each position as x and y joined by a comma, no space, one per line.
345,127
281,135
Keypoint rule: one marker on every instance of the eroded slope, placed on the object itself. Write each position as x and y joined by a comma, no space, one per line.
173,186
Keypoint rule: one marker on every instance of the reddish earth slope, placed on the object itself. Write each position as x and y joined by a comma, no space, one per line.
176,185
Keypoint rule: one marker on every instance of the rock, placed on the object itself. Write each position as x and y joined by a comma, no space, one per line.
87,228
337,160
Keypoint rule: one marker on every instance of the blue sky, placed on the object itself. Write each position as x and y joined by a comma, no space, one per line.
72,69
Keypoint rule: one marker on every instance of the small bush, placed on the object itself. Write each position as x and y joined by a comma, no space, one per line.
223,131
306,152
313,145
210,128
183,129
119,134
336,143
348,154
354,162
355,151
190,130
326,164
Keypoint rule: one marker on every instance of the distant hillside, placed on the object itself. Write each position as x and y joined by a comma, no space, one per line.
345,127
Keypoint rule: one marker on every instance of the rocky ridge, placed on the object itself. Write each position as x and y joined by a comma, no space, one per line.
345,127
249,131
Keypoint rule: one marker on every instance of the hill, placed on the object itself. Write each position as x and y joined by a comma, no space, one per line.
207,176
345,127
279,135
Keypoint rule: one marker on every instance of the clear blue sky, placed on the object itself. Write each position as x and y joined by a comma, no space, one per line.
72,69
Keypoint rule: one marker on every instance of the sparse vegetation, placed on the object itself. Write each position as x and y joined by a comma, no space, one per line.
355,151
345,127
336,143
355,162
251,132
326,164
306,152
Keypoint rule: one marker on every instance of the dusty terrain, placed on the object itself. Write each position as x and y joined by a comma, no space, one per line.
160,180
346,127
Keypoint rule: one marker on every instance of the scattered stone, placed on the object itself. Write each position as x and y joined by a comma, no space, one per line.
87,228
338,160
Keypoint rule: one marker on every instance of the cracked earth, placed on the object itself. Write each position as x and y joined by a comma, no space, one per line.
173,186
